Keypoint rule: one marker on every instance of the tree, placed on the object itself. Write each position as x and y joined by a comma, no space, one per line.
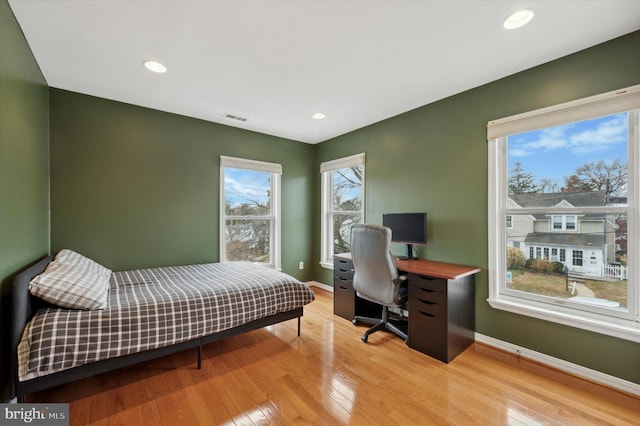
547,185
574,184
609,177
347,194
521,182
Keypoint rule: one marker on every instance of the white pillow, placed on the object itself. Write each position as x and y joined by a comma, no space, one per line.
70,256
73,281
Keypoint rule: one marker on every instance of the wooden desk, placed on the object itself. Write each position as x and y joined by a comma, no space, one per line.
441,303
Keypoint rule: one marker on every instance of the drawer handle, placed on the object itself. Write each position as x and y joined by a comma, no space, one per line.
427,302
424,277
343,270
427,314
427,290
343,288
343,279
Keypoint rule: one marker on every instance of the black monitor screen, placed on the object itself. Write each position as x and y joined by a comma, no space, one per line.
410,228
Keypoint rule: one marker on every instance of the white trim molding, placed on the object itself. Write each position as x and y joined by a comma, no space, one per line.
562,365
321,286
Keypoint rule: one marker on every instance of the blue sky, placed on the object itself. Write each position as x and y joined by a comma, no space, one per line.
246,186
556,152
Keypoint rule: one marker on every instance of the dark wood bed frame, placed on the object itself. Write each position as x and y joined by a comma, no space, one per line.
24,307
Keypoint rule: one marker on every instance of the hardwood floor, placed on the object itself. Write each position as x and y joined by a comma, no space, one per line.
329,377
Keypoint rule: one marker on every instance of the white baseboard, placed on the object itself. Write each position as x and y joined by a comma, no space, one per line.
562,365
320,285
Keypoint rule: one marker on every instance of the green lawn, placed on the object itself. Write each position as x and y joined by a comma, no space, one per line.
555,285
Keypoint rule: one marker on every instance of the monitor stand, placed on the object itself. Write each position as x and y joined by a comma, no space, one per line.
409,255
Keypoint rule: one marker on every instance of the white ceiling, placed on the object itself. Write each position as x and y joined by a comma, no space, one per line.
278,62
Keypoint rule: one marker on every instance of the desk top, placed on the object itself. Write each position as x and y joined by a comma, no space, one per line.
431,268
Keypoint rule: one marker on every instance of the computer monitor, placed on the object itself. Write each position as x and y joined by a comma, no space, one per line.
407,228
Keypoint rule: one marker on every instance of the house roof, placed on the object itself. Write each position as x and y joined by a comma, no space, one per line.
575,199
565,239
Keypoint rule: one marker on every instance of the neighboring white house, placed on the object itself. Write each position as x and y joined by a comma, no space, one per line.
584,243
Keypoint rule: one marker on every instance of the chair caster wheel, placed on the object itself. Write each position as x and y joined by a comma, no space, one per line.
365,338
354,322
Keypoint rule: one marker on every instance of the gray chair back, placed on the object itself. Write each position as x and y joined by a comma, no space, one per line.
375,272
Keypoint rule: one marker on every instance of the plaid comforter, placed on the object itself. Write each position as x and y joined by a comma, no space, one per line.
152,308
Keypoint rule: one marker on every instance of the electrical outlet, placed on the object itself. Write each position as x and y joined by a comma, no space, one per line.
301,265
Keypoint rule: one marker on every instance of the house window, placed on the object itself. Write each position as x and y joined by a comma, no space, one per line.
342,204
509,221
564,223
577,258
250,211
567,175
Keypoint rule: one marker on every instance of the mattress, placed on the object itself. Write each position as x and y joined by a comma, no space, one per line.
156,307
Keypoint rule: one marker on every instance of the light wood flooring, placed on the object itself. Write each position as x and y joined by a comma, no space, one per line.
329,377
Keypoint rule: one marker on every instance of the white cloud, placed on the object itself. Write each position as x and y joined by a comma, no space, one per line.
571,137
601,138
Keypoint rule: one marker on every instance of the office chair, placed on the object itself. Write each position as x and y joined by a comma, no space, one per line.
375,277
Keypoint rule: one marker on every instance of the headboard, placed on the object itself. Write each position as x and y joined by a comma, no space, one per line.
23,308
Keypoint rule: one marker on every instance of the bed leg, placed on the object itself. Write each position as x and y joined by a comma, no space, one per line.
298,326
20,399
199,357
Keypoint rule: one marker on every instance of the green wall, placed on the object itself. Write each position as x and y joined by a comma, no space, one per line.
24,166
134,187
434,159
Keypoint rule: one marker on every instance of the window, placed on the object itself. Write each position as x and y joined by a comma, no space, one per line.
577,258
342,204
250,211
564,223
567,176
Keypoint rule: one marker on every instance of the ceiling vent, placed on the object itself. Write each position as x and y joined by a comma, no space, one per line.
235,117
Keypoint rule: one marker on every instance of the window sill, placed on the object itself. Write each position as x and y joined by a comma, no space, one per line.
623,331
326,265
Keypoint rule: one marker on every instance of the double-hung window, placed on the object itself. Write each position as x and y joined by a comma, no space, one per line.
342,204
563,213
250,211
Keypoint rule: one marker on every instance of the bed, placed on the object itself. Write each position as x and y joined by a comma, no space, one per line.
123,318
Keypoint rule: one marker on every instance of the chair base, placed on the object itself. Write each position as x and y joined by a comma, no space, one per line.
380,324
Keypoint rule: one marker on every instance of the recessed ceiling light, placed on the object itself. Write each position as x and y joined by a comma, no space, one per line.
518,19
154,66
318,116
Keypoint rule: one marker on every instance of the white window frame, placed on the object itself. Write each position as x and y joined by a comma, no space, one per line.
564,220
565,312
326,171
275,231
